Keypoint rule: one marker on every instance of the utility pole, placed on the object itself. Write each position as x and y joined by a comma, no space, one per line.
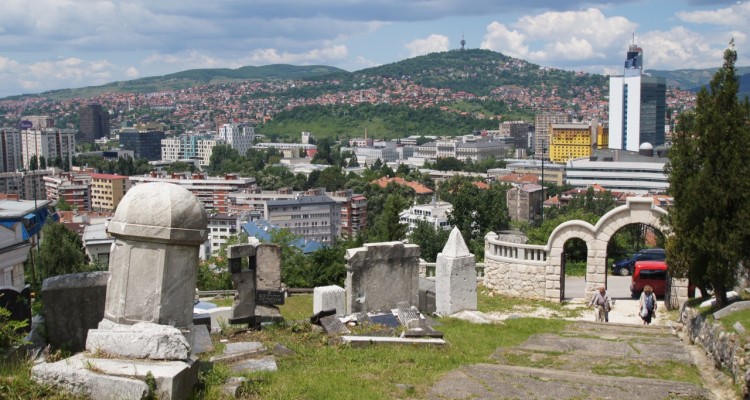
541,198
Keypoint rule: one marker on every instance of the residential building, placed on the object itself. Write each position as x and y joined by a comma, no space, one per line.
435,213
308,150
619,170
24,220
145,144
93,123
525,201
213,192
262,230
637,105
97,242
519,131
315,218
48,143
26,185
15,247
475,151
185,147
553,173
73,187
107,191
10,150
221,226
576,140
353,212
542,124
239,137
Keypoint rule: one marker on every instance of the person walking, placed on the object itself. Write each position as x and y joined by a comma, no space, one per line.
648,304
601,303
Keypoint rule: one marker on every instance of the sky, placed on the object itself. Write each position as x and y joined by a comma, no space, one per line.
57,44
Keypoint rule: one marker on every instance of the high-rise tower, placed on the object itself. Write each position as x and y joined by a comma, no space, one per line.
94,122
637,105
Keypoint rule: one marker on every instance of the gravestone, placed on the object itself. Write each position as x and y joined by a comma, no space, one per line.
455,277
73,304
148,311
329,297
380,275
259,286
18,304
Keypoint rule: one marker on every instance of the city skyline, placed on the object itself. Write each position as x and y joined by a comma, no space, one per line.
54,44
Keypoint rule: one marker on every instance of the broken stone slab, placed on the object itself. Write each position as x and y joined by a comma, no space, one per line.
234,352
739,328
232,386
407,315
423,330
143,340
280,350
329,297
333,326
362,318
359,341
266,363
734,307
106,378
387,319
203,343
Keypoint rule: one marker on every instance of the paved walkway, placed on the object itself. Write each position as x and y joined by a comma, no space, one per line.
622,359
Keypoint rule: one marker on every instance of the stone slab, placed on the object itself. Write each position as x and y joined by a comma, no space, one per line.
267,363
407,315
333,326
140,341
734,307
369,340
234,352
202,340
328,297
387,319
106,378
240,250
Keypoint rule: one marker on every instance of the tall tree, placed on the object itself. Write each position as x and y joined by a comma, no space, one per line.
60,252
387,226
708,178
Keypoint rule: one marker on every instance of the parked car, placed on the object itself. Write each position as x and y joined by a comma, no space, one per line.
625,267
653,273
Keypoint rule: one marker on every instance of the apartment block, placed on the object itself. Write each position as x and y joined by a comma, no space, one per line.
107,191
10,150
48,143
213,192
73,187
315,218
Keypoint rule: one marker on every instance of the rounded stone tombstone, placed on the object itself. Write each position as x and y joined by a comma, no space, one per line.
158,228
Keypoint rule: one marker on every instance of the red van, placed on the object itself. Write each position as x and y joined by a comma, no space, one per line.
652,273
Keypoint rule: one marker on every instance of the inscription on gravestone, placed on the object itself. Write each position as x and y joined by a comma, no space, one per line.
333,325
268,297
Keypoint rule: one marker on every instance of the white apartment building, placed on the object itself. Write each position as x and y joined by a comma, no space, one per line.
435,213
47,143
239,137
315,218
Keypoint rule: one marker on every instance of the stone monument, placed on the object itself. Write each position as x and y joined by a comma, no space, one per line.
258,286
380,275
148,312
455,277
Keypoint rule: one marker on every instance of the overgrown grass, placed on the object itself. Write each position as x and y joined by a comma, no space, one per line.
16,383
575,268
742,316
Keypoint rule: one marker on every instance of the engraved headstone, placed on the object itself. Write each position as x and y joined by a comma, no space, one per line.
333,326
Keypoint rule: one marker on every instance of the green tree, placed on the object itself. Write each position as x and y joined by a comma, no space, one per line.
429,239
478,211
708,178
387,227
181,166
60,252
63,205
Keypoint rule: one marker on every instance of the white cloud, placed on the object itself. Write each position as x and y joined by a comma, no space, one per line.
735,16
189,59
432,44
315,56
560,36
509,42
132,73
679,48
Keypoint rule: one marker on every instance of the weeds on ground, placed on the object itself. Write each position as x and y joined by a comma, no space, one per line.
16,383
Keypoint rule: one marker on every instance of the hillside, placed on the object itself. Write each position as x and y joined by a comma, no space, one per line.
197,77
694,79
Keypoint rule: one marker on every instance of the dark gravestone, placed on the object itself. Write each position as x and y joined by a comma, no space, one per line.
73,304
427,301
18,304
315,319
386,319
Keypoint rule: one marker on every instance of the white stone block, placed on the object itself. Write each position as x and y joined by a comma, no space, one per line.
143,341
328,297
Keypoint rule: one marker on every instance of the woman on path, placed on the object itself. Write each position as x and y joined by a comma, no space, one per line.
648,304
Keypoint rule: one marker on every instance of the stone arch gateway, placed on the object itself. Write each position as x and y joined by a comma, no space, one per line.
535,271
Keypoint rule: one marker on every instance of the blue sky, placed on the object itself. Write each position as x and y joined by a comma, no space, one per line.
54,44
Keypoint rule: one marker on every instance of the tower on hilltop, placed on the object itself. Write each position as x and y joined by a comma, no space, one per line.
637,105
463,42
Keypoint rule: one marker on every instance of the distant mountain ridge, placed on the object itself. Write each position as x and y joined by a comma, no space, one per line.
474,71
196,77
694,79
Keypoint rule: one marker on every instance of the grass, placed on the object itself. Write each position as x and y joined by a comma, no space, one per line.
742,316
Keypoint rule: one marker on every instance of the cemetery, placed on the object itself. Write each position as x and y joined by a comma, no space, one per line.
140,330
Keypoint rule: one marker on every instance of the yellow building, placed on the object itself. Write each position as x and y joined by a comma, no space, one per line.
571,141
107,190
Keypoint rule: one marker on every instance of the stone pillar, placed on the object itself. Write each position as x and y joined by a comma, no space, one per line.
158,228
455,277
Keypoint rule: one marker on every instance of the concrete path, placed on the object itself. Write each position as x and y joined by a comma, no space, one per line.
588,360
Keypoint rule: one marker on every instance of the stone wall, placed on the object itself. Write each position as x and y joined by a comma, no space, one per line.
724,348
516,280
